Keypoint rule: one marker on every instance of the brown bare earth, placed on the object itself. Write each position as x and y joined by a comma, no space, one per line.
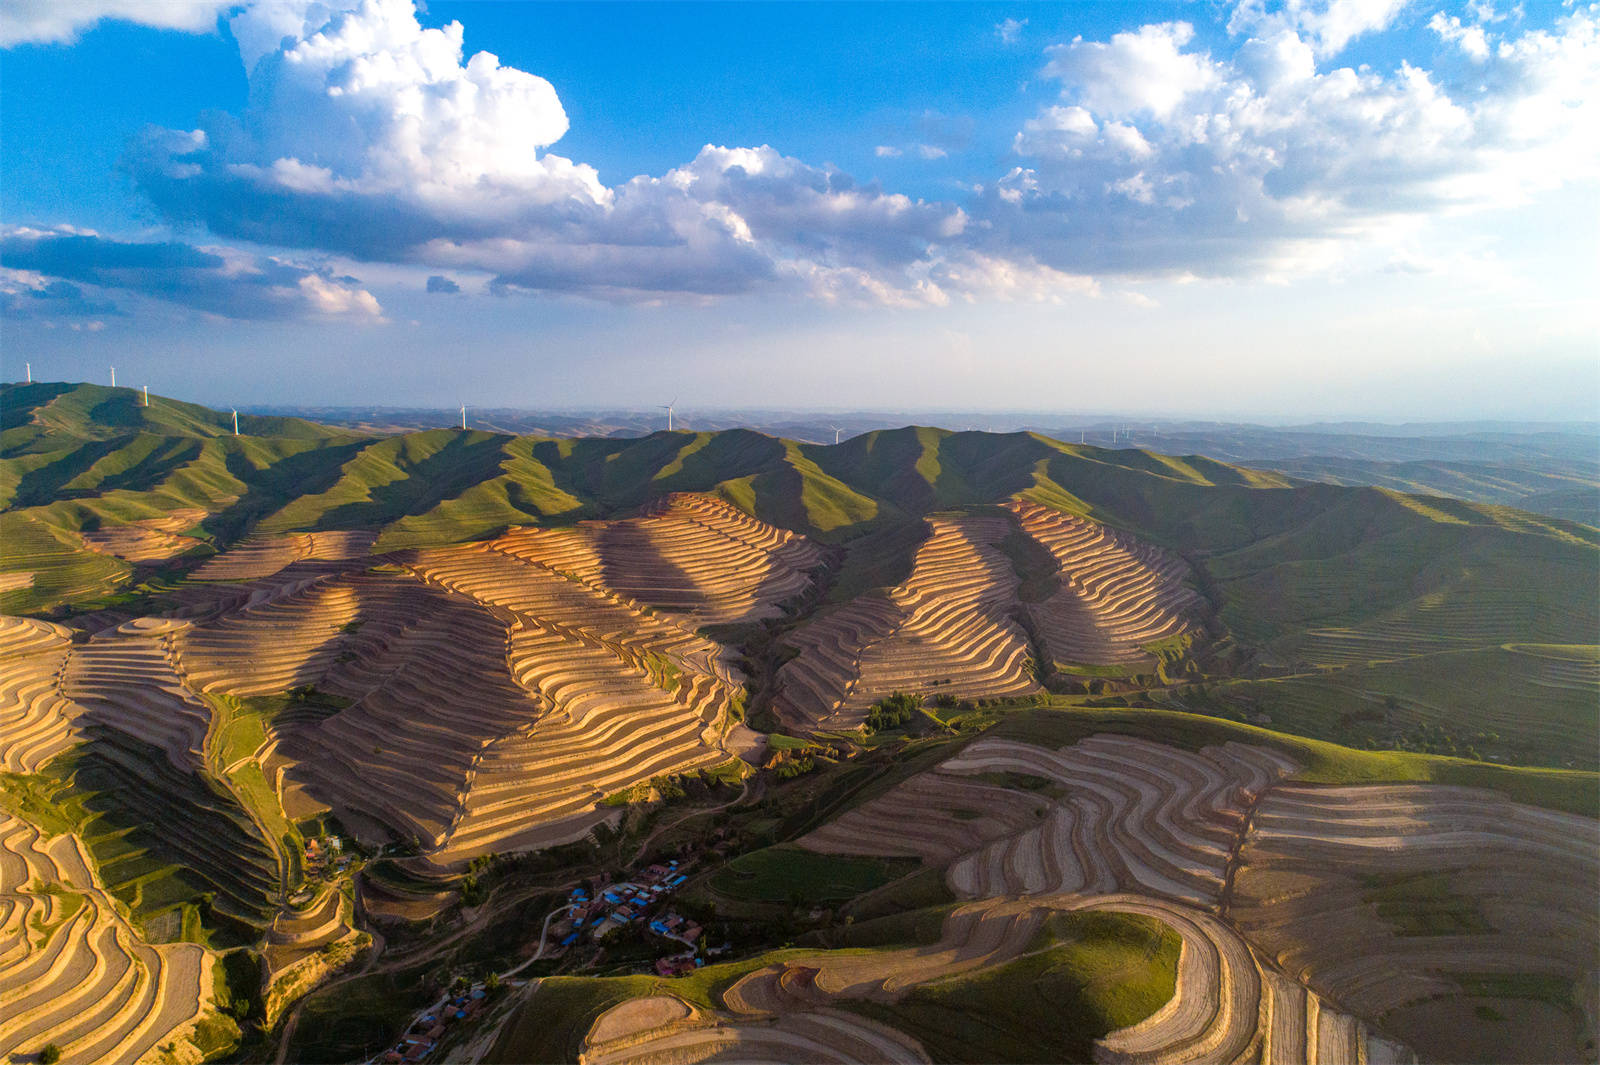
1401,901
489,697
497,691
36,720
1389,900
946,629
688,554
73,971
147,540
1227,1005
1115,596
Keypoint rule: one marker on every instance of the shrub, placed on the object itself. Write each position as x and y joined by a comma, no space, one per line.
50,1054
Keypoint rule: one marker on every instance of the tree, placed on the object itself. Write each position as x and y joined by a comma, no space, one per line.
893,712
50,1054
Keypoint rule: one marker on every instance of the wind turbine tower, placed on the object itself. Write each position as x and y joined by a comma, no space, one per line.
113,377
29,365
836,432
235,423
668,409
463,415
147,395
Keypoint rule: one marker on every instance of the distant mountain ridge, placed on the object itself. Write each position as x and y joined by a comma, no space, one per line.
1549,468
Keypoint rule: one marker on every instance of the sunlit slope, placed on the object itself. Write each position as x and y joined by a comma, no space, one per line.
1309,573
1410,905
95,412
75,972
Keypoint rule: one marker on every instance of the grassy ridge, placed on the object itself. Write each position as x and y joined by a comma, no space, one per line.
1573,791
1088,974
162,840
1527,704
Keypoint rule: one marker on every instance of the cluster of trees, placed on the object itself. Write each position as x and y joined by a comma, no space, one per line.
896,710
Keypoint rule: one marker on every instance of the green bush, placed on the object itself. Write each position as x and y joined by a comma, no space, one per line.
898,709
50,1054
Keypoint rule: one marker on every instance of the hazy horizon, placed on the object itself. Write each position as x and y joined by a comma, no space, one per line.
1304,211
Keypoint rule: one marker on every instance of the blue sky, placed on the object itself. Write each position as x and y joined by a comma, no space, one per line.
1295,208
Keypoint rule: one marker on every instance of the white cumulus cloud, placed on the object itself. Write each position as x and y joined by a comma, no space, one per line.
1164,159
369,135
1328,25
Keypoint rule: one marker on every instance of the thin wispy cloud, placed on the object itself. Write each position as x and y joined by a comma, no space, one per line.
47,267
1010,30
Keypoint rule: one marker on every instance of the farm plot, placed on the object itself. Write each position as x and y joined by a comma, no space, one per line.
947,629
272,645
73,972
149,539
1218,1004
620,696
1114,596
1119,813
494,702
1414,903
264,556
36,720
689,554
126,680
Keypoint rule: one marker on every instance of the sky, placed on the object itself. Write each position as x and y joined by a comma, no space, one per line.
1237,209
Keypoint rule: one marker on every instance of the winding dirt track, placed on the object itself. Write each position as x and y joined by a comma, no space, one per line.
73,972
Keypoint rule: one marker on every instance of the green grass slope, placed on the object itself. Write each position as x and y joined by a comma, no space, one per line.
1085,975
1307,577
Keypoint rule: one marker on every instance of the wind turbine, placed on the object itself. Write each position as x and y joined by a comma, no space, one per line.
29,365
235,423
463,415
836,432
113,377
147,395
668,409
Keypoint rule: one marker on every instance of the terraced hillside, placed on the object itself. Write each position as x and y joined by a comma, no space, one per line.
688,554
489,698
947,628
1116,813
1115,598
1219,1002
1462,921
148,540
456,644
74,973
1449,918
36,720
